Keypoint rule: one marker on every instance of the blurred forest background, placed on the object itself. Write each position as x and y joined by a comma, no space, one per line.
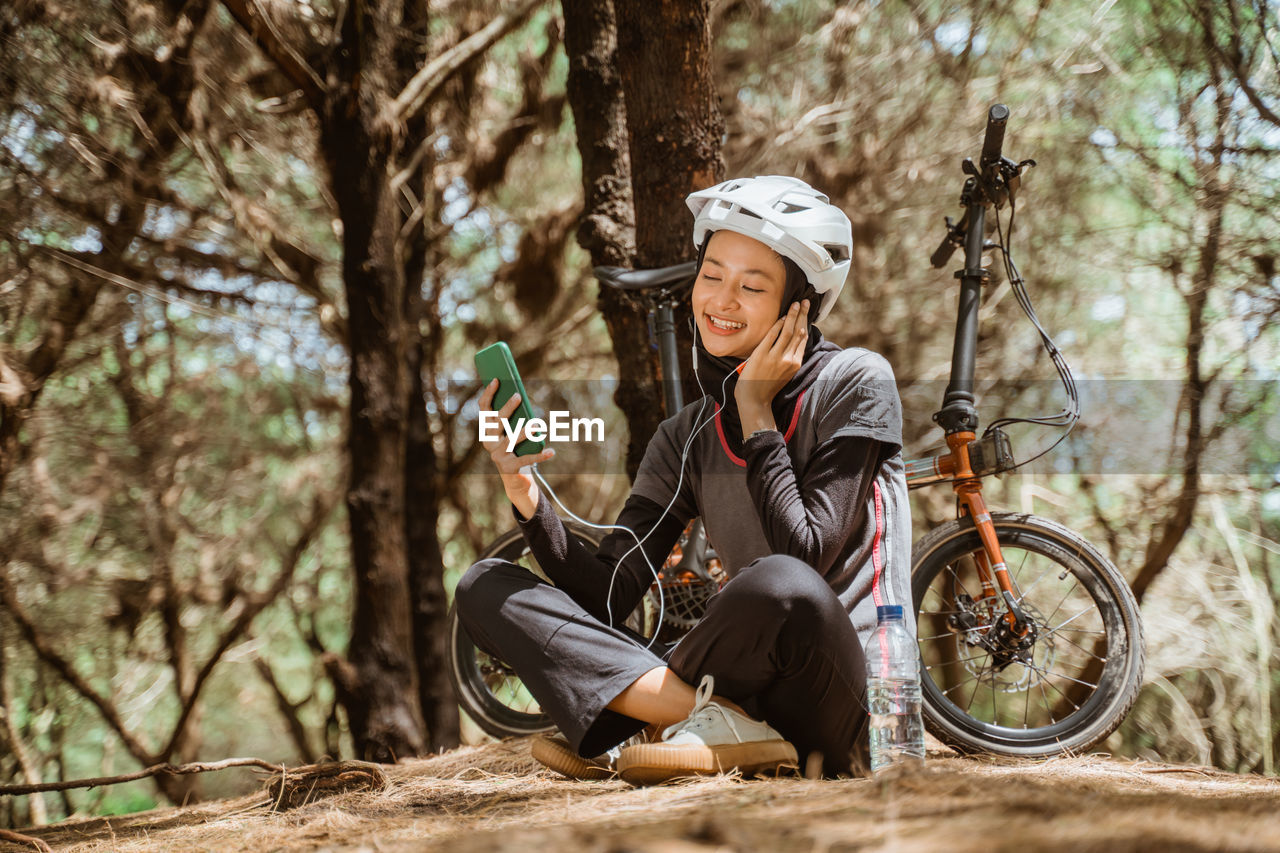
248,248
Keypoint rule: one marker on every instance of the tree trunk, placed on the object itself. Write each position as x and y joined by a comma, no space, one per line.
607,227
674,128
369,96
379,688
426,574
429,606
673,120
382,704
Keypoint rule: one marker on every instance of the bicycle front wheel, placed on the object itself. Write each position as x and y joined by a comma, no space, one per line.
1066,685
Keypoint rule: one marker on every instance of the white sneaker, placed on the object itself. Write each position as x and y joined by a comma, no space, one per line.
712,739
554,753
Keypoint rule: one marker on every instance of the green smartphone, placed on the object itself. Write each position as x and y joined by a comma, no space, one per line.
495,362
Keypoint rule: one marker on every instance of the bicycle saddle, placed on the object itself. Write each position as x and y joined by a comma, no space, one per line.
621,278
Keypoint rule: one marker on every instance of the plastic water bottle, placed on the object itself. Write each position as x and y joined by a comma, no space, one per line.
893,692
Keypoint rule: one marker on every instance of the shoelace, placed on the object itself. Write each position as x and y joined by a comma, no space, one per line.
701,716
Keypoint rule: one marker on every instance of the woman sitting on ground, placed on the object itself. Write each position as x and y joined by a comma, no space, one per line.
798,479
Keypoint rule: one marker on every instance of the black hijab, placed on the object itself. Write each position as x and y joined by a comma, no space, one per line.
712,370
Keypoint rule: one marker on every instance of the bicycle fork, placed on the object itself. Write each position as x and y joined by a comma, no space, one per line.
992,571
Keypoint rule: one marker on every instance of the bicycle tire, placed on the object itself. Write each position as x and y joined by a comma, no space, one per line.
488,689
1092,659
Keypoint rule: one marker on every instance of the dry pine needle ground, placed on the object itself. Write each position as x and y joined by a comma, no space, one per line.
494,798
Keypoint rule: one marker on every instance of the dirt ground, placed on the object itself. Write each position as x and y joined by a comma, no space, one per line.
494,798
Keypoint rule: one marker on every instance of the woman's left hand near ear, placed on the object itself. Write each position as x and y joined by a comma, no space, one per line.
775,360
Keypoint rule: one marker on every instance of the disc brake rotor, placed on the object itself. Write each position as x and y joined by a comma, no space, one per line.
1025,666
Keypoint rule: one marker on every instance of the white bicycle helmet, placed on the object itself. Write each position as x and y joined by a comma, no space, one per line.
789,216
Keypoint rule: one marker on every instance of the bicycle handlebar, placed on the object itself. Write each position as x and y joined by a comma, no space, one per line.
993,140
991,157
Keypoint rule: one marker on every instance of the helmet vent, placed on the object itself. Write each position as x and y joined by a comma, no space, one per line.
787,207
837,252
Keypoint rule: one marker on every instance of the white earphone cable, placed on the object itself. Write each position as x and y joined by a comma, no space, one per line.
684,456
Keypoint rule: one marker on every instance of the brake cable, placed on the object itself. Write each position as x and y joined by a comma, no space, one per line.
1070,415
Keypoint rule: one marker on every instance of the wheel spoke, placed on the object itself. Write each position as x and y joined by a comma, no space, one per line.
995,710
1090,652
1045,674
1026,590
972,696
1047,705
1065,596
981,654
1061,625
1014,574
950,634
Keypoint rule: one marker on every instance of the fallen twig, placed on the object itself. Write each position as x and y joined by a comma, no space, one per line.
303,785
154,770
19,838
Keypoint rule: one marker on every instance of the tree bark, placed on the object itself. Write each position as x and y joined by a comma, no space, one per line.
674,125
430,605
380,686
674,128
674,131
607,227
382,701
426,575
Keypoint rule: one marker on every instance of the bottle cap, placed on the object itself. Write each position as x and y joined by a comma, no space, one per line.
888,611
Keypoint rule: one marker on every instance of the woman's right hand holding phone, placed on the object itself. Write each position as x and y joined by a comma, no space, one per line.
517,478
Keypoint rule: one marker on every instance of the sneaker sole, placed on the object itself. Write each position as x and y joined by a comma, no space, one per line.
563,760
654,763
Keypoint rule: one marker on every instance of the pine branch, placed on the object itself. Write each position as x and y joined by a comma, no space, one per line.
47,653
320,511
427,82
288,710
271,40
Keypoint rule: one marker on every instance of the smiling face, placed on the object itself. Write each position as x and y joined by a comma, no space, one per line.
738,294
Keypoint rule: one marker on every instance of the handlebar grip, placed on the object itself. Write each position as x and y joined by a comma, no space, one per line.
993,141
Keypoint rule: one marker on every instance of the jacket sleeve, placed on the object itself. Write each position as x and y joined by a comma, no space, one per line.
809,514
809,517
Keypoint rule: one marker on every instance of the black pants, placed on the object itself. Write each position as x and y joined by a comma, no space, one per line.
775,638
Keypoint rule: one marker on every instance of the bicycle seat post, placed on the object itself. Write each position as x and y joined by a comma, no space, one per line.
662,290
664,326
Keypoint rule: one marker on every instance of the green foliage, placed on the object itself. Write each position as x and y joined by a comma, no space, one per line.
124,801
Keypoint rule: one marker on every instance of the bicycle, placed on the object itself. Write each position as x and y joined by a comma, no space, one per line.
1008,604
